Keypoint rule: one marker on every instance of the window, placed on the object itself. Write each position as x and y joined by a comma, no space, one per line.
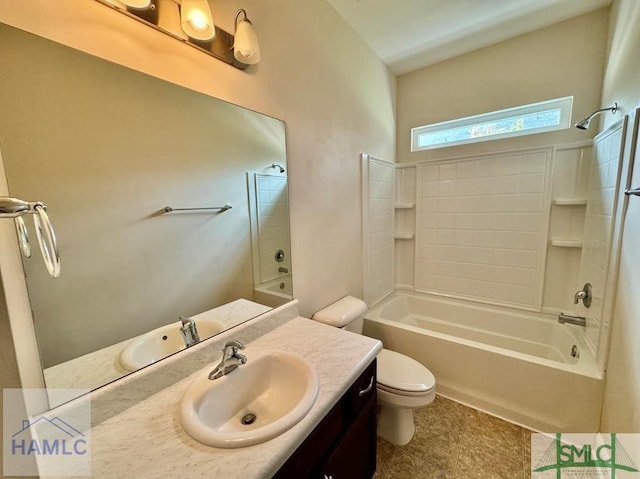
540,117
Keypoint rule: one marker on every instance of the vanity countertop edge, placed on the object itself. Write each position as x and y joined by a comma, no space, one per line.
147,440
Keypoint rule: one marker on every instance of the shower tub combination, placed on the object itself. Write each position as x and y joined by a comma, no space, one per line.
523,367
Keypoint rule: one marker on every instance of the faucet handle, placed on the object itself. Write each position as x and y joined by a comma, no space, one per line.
231,348
234,343
584,295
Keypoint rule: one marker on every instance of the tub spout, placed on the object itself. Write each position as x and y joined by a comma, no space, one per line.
577,320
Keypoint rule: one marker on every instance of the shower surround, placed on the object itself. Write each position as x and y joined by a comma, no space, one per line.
487,251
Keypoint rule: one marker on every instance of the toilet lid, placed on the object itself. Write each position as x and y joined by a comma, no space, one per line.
402,373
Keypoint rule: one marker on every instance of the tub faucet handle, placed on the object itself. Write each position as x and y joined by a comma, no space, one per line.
584,295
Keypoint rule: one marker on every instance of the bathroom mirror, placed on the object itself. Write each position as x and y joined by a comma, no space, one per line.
108,149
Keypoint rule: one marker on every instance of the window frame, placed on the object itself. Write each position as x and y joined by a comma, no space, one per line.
564,104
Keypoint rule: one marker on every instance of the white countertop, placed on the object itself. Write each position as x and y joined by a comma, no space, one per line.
147,440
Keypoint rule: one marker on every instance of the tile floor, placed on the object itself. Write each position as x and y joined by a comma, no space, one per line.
453,441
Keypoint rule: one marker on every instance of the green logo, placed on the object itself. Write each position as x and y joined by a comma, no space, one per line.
576,456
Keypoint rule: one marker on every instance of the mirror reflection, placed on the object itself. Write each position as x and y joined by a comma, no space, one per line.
108,149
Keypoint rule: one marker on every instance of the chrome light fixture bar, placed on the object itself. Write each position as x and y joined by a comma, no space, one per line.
191,22
586,121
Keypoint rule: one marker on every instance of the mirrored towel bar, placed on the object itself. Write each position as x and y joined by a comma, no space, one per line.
632,191
220,209
15,208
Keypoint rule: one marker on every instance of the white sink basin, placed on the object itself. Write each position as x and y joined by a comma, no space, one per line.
278,388
160,343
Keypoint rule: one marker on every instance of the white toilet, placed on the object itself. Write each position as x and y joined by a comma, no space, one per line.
403,383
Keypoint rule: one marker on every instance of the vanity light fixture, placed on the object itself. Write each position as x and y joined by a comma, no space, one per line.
196,20
191,22
145,9
137,4
245,46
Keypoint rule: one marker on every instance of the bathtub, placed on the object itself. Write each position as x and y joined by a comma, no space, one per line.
274,293
524,367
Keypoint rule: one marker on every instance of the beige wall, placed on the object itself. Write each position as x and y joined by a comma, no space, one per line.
621,412
560,60
316,74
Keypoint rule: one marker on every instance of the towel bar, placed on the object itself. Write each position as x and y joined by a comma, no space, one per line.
221,209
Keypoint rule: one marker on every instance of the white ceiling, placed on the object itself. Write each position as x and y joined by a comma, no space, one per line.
411,34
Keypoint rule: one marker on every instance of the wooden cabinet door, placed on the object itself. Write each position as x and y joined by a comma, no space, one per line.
355,455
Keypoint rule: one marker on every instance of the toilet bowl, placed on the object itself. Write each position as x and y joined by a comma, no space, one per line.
403,383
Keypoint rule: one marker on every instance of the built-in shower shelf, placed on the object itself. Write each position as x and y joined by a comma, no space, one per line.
570,201
406,206
405,236
566,243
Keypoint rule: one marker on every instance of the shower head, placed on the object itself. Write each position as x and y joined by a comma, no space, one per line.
274,165
586,121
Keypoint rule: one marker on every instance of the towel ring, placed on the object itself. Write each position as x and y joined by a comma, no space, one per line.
23,237
16,208
47,240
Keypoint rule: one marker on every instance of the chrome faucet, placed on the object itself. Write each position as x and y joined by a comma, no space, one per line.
584,295
577,320
231,359
189,332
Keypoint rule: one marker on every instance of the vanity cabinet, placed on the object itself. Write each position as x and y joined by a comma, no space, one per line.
343,445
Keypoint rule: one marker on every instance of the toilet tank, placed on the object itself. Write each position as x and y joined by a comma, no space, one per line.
346,313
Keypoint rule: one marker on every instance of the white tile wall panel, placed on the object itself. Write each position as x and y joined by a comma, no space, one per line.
378,229
571,166
482,227
603,183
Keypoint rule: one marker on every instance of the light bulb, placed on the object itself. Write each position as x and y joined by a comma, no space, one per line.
196,20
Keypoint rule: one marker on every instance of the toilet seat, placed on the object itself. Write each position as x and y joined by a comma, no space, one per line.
400,392
402,375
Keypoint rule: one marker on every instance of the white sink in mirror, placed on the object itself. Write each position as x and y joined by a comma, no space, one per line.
256,402
159,343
